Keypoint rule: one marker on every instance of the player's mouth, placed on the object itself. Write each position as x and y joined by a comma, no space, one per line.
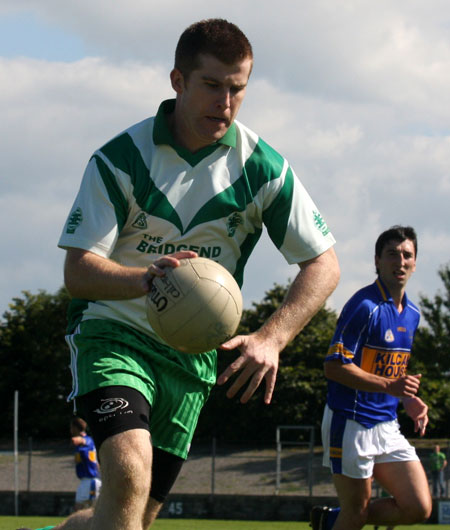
218,120
400,275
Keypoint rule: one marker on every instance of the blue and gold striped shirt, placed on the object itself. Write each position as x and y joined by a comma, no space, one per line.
372,334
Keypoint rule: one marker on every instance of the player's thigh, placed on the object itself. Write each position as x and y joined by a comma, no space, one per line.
111,410
354,493
400,471
406,482
126,460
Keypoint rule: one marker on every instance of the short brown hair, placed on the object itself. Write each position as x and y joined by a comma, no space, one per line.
78,423
396,233
214,36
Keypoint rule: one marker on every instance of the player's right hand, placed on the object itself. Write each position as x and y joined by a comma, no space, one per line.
417,410
405,386
258,360
169,260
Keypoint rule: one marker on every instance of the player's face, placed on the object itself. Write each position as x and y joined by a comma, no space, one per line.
396,264
208,101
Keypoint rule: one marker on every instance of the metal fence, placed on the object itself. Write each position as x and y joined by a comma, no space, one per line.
287,467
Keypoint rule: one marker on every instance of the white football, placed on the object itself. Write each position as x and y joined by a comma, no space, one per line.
195,307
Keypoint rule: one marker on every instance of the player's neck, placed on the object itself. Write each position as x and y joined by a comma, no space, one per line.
397,297
396,292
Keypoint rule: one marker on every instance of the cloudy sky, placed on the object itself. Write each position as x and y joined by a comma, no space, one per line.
355,93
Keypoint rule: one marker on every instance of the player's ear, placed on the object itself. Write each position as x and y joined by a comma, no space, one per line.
177,80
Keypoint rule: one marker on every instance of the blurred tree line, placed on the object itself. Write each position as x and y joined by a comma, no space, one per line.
35,361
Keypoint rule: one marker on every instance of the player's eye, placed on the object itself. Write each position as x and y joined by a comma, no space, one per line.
236,89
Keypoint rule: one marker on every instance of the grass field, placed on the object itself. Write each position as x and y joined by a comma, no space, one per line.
12,523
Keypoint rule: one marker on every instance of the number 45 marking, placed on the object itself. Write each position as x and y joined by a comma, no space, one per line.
175,508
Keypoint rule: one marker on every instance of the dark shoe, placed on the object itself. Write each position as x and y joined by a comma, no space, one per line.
319,515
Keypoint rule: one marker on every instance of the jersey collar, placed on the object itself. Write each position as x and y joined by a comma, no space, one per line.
385,295
162,135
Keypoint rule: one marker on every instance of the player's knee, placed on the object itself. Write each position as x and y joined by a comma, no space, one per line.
354,518
128,474
424,510
133,477
418,512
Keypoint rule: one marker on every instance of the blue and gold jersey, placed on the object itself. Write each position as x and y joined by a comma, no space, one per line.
373,335
86,465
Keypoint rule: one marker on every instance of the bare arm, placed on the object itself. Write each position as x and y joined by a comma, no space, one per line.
259,351
310,289
88,275
355,377
78,440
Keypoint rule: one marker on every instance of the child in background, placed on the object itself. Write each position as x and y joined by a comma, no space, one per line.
86,465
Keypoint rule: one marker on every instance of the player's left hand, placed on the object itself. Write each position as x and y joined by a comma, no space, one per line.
258,360
417,410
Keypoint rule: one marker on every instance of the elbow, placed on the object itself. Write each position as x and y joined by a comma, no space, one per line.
330,268
70,285
334,276
72,272
331,369
335,271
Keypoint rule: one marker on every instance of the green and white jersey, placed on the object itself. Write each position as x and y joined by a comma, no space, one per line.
142,196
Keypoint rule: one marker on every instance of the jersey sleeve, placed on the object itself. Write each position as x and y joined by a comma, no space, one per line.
294,222
94,220
350,332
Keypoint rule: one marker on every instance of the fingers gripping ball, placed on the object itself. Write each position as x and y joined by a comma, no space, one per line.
195,307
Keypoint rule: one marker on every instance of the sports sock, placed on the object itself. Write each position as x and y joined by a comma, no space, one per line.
45,528
331,518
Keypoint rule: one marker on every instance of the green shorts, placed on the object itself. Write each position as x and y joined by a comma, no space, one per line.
176,385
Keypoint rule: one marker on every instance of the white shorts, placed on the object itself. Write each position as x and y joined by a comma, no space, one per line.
355,449
88,489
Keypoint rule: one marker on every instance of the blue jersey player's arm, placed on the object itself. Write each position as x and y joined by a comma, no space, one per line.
417,410
350,333
353,376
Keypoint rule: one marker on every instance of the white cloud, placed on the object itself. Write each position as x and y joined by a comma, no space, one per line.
54,115
58,113
354,94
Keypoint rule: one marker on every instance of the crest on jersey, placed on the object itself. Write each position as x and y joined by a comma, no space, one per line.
232,223
140,221
75,219
320,223
389,336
